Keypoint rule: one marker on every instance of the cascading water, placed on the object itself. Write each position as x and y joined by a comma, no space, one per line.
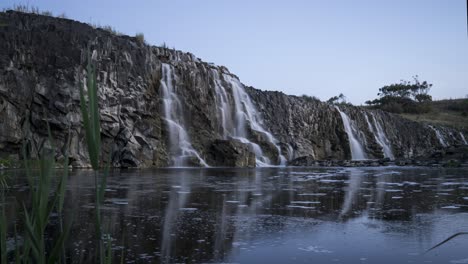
463,138
357,151
179,141
440,137
380,136
234,120
223,106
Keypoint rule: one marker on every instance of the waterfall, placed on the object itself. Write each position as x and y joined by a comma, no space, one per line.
357,151
380,136
439,136
223,106
180,147
234,120
463,138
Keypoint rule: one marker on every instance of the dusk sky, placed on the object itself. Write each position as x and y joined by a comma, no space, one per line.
318,48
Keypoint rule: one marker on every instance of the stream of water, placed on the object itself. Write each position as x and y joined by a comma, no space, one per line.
380,136
179,141
357,151
245,115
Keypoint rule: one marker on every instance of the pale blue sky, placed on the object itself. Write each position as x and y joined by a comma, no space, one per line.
319,48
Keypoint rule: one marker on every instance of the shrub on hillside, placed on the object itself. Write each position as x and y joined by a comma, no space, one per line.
140,37
404,97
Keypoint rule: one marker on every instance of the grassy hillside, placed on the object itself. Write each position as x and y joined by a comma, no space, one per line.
453,113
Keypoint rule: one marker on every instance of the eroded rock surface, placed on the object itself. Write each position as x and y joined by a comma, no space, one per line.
43,62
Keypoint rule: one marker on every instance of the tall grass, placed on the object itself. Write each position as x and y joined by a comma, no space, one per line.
3,220
38,247
91,123
36,219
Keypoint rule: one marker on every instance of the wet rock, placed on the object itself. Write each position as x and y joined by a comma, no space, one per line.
230,153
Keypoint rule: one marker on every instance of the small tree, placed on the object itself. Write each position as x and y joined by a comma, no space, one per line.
405,96
340,99
417,91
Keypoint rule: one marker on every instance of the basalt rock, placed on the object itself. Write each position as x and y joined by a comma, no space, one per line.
43,61
230,153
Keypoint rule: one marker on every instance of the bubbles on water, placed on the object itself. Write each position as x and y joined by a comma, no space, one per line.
393,190
312,194
450,207
459,261
302,207
316,249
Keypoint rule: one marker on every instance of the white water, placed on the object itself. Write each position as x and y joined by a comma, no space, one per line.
380,136
180,147
357,151
440,137
234,122
463,138
224,108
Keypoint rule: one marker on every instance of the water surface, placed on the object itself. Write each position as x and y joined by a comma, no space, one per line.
270,215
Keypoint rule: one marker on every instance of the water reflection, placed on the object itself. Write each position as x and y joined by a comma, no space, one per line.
352,191
179,194
275,215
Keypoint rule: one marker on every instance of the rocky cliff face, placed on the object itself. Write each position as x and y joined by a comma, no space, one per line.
162,107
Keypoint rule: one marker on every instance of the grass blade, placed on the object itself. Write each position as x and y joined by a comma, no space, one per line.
17,248
60,244
94,109
29,224
447,240
3,230
88,132
63,182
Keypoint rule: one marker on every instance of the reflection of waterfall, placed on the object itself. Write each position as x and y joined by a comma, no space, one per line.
355,181
180,146
380,185
220,234
463,138
440,137
380,136
357,151
251,202
234,121
177,199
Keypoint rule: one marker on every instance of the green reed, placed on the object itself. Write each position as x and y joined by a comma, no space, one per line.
3,220
36,219
91,123
40,178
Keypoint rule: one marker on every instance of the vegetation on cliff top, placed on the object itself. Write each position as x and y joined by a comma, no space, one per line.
450,112
35,10
404,97
411,100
